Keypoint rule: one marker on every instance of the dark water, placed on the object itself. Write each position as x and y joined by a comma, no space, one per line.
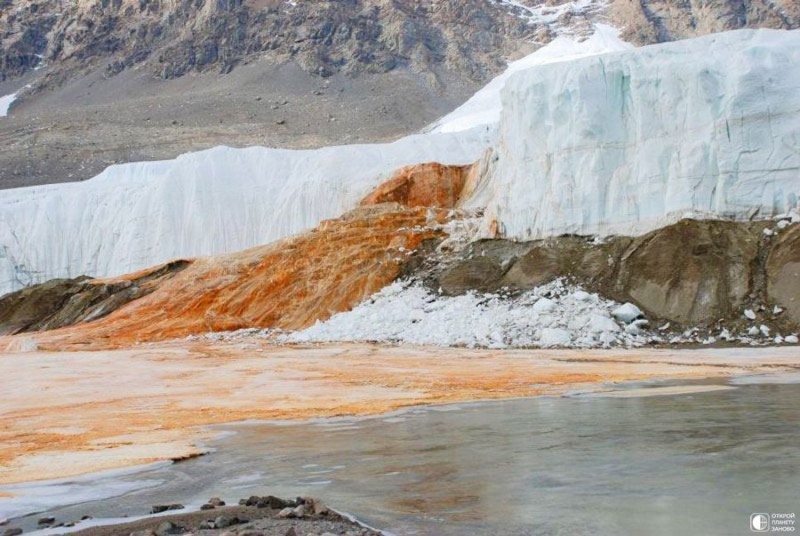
666,465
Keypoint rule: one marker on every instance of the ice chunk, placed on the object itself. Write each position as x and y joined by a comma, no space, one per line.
748,313
633,329
627,313
551,337
581,295
601,323
409,313
544,305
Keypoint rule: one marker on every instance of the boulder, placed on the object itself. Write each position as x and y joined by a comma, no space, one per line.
783,273
223,521
272,502
315,506
478,273
168,528
690,272
158,508
287,512
539,266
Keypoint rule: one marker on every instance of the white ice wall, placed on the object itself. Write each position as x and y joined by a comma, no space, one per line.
627,142
133,216
485,106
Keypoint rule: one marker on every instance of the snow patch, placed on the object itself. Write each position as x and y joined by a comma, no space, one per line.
5,103
550,15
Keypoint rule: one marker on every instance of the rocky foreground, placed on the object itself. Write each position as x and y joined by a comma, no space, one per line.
253,516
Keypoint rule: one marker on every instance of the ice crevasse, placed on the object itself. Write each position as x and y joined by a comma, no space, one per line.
627,142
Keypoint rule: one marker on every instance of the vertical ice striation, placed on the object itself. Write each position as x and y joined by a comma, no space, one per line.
627,142
485,106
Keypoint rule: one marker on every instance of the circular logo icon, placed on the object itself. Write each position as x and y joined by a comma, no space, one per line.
759,522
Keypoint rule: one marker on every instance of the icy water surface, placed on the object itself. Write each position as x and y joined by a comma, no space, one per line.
697,463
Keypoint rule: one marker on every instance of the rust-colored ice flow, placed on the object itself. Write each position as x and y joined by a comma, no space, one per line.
422,185
288,284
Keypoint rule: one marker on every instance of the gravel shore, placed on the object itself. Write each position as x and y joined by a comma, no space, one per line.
254,516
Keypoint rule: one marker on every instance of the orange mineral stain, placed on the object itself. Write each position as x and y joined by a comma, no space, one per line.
289,284
71,413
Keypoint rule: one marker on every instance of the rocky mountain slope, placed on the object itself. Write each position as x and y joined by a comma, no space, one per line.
172,38
126,80
654,21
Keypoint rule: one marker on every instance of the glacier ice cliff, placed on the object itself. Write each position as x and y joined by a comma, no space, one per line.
611,141
133,216
627,142
485,106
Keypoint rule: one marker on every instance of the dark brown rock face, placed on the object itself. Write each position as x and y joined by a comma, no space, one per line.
64,302
479,273
691,273
175,37
655,21
783,273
